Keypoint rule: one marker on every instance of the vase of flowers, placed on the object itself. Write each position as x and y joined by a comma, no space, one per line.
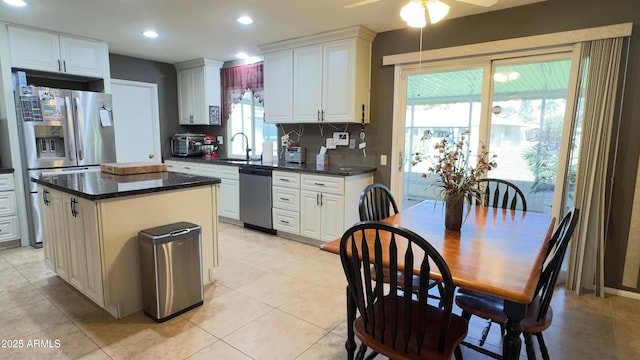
457,179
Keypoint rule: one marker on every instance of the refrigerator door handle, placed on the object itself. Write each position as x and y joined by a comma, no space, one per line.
69,126
80,128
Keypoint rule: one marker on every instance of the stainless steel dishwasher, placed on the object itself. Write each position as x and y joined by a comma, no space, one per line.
255,198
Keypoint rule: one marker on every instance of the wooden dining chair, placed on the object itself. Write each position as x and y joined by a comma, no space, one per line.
395,322
377,203
539,313
500,193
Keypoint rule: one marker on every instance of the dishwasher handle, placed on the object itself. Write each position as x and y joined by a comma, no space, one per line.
252,170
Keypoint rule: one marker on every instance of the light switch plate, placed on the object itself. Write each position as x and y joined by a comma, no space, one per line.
352,144
220,140
341,138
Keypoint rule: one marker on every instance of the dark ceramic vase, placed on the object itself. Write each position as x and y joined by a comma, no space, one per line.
453,212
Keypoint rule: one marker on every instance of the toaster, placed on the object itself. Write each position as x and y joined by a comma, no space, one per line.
187,144
294,154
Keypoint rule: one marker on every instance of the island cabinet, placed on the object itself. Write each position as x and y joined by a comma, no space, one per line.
91,241
34,49
70,230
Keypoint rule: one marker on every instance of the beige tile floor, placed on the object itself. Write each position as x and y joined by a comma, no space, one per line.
273,299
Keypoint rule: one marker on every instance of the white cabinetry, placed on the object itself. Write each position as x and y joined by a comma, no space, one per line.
322,213
331,74
45,51
71,241
329,204
229,194
278,87
198,89
9,229
286,201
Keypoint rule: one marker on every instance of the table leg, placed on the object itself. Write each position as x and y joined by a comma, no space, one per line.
350,345
511,342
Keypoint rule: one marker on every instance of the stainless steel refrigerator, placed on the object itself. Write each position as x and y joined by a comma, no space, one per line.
61,130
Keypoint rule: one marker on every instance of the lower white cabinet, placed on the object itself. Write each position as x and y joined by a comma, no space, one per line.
286,201
229,194
319,207
71,241
9,226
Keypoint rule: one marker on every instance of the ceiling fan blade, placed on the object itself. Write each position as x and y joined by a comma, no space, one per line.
360,3
485,3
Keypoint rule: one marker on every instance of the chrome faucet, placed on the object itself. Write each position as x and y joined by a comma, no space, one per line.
248,151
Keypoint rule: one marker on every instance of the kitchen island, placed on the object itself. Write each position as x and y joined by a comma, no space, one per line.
91,222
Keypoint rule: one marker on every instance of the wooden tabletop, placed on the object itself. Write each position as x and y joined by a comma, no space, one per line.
499,252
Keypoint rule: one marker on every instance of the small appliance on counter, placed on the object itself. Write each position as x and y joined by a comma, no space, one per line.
210,147
294,154
187,144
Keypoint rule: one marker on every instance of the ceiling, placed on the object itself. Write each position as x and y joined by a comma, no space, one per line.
207,28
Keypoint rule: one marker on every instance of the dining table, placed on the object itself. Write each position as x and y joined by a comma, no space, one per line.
497,251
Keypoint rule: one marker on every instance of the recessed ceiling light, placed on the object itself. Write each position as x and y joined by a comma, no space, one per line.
150,34
15,2
245,20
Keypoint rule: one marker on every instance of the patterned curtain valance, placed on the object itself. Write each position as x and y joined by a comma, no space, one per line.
235,81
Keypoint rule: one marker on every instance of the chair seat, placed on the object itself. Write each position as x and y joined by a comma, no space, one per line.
415,280
490,307
457,333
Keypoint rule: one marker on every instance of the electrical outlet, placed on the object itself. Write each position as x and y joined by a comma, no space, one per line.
285,139
220,140
383,160
352,143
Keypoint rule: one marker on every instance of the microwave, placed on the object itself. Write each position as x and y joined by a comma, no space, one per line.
187,144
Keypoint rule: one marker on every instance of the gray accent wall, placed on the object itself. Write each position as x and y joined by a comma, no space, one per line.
540,18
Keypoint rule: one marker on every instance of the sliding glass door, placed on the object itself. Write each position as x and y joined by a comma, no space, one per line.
517,107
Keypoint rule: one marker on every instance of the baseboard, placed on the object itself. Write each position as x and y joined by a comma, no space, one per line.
623,293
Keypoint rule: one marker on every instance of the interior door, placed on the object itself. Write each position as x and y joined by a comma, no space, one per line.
136,121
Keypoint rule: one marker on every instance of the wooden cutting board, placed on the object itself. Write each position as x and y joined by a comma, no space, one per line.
130,168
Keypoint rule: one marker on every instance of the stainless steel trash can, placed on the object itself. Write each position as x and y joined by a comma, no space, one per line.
171,269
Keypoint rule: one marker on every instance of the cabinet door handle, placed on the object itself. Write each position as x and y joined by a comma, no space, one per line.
318,115
321,199
59,65
284,199
284,222
282,179
318,184
322,115
317,199
64,65
44,197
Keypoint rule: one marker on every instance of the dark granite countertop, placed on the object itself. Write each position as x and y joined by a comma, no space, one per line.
339,170
6,170
97,185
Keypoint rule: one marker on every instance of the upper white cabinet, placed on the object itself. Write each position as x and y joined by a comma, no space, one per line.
331,77
198,90
46,51
278,87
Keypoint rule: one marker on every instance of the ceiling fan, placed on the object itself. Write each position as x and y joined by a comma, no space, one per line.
485,3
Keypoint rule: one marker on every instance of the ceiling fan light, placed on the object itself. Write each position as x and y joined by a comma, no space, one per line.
437,10
413,15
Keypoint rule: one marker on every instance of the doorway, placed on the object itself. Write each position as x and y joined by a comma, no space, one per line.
136,121
516,106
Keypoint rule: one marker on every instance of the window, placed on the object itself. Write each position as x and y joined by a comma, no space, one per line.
247,116
525,125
